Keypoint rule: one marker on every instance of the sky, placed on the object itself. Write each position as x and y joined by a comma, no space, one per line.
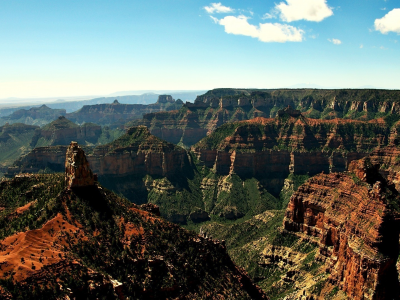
96,47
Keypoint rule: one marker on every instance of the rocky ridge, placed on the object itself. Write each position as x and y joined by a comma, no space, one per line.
17,140
195,121
61,131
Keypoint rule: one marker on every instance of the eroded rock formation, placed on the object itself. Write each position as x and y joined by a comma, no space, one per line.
352,216
77,170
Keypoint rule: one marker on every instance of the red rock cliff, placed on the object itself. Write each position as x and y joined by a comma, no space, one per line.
357,230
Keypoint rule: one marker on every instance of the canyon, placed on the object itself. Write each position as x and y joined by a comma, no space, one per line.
240,170
272,148
308,207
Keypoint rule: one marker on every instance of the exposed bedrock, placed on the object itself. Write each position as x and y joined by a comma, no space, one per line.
358,230
77,169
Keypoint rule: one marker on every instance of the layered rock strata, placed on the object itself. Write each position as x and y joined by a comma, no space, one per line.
357,229
271,149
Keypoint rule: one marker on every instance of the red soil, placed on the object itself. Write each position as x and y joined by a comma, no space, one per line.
27,252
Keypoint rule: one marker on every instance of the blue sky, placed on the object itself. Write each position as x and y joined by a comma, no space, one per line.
71,48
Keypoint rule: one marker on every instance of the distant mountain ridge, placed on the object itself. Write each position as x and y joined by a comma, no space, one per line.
116,113
146,97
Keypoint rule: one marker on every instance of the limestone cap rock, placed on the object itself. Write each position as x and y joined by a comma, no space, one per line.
77,170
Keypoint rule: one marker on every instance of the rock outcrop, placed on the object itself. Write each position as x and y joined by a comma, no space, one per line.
353,217
119,164
77,170
385,160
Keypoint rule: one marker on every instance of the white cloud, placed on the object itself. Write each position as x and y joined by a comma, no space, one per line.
265,32
335,41
390,22
361,46
310,10
214,19
271,15
218,8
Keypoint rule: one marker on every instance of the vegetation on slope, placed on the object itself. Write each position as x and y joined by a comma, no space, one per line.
104,239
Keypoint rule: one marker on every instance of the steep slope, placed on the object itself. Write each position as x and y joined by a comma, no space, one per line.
14,141
83,241
216,107
33,116
118,114
357,229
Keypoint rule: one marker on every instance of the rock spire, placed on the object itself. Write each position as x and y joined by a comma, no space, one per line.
77,170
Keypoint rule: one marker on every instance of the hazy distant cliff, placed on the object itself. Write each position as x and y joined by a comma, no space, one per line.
33,116
117,113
